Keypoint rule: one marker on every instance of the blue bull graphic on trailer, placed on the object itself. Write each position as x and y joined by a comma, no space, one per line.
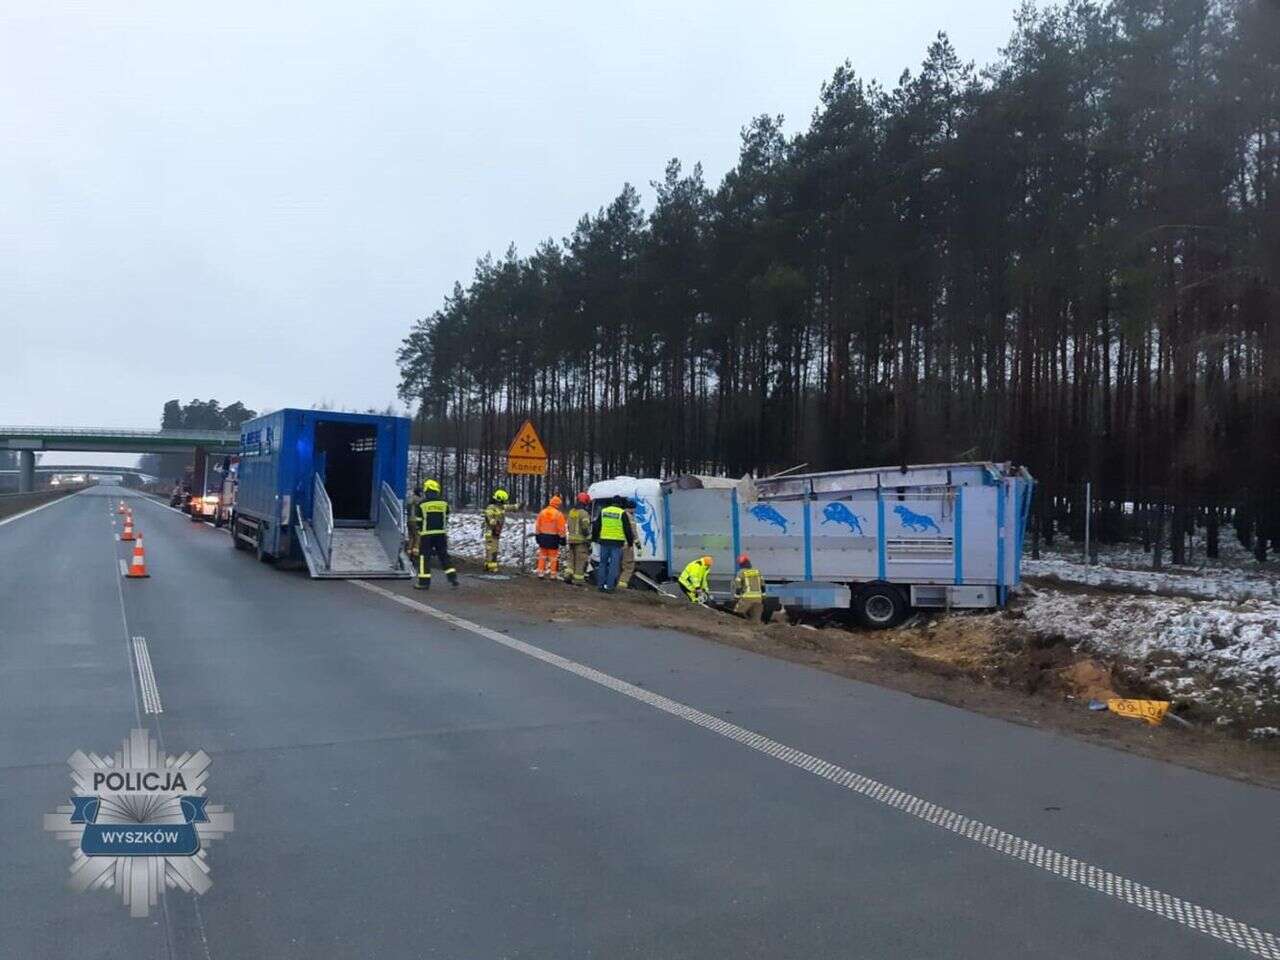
839,513
645,521
915,522
767,514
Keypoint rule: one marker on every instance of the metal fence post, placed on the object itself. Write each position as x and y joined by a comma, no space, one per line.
1088,516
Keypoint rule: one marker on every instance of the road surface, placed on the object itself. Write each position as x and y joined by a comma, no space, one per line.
408,785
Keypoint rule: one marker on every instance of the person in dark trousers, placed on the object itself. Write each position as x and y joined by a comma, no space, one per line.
611,530
433,535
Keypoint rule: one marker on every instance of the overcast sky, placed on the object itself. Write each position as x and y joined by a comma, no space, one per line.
254,200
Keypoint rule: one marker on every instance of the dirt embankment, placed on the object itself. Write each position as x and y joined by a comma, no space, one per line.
987,662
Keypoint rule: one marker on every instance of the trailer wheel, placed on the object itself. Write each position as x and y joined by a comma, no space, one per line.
879,606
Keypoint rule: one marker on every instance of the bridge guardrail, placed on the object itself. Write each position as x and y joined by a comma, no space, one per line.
220,436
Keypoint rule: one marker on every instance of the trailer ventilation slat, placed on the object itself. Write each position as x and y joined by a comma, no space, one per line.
921,549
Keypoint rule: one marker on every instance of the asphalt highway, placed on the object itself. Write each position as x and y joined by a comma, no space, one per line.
425,776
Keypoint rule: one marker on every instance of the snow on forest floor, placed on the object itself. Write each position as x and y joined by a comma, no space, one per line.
1220,655
1206,632
1234,576
466,538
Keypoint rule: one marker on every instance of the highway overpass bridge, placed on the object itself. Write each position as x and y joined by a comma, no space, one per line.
28,440
130,474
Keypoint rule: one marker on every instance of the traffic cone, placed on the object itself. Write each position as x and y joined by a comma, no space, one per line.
123,508
138,567
128,528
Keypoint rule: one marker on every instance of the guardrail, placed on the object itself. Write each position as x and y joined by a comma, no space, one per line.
322,521
11,503
221,436
390,528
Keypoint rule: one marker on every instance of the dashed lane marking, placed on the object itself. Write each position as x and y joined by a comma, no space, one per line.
146,677
1250,939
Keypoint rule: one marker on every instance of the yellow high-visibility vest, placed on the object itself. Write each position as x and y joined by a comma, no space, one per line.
748,584
434,517
694,576
580,525
611,524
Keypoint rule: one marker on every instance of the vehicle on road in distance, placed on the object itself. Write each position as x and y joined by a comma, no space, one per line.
875,541
230,469
325,489
203,507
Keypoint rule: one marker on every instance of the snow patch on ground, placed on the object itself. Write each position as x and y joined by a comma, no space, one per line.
466,538
1186,646
1207,583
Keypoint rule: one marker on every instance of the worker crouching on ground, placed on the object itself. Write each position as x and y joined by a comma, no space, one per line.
579,537
612,530
549,531
748,590
693,579
495,515
433,536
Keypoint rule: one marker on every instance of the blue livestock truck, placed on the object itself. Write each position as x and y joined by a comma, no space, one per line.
325,489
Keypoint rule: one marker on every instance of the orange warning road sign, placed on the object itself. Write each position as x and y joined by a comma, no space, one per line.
526,453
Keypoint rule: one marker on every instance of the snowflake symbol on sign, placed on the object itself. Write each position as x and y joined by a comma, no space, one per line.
528,442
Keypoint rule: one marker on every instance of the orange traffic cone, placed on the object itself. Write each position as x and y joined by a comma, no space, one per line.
128,528
138,568
123,508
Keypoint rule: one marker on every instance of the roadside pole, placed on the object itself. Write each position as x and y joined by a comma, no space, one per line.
526,457
1088,514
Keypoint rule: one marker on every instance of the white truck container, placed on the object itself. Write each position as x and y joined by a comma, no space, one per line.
877,541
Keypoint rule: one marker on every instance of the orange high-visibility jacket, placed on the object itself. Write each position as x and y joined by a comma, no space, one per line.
551,521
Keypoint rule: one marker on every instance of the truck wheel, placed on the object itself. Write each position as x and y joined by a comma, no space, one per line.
263,556
879,606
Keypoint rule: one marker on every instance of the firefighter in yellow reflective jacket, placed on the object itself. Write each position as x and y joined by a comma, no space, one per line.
495,515
693,579
748,590
579,539
411,523
433,535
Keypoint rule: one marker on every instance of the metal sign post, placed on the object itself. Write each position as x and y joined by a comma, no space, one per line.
526,457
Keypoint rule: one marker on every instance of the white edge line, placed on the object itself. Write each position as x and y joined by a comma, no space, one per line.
124,570
1252,940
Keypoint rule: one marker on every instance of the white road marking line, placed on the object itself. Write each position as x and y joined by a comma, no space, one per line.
146,676
27,513
124,569
1250,939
